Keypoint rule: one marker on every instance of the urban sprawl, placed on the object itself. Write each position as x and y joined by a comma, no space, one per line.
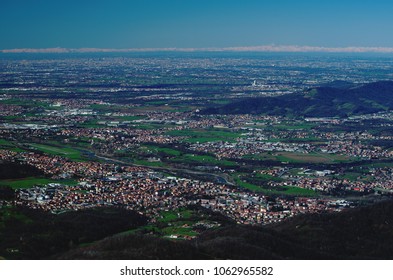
155,152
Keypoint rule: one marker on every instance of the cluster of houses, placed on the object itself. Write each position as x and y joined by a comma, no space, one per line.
150,193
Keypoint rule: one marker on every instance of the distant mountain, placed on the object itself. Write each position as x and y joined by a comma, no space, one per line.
361,233
338,101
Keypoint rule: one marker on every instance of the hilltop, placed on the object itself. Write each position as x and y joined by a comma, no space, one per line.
326,101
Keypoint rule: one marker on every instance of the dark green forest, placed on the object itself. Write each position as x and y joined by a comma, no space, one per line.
360,233
317,102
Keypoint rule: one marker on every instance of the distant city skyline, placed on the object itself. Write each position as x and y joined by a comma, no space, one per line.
214,25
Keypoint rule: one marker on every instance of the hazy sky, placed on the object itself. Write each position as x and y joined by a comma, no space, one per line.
194,23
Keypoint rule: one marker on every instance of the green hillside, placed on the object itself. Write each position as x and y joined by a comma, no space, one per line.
317,102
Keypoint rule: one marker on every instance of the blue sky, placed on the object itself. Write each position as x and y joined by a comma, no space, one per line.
194,23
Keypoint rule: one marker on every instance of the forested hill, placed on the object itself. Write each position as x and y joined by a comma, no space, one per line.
360,233
317,102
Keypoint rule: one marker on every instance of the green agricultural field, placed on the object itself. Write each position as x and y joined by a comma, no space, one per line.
282,190
355,176
310,158
149,163
294,157
177,222
26,103
32,181
25,182
147,126
203,159
180,231
260,156
11,118
14,101
246,185
168,216
292,190
157,149
66,152
92,124
267,177
4,142
9,145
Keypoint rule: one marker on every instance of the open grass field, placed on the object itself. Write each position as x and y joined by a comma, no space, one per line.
157,149
9,145
91,124
66,152
20,102
267,177
147,126
29,182
168,216
180,231
178,222
283,190
310,158
149,163
294,157
4,142
203,160
292,190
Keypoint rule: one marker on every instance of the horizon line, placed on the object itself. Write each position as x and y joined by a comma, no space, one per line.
262,48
